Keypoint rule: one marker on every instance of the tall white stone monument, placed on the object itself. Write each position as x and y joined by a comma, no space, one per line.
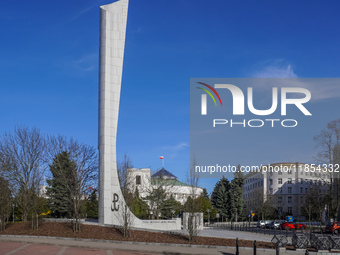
113,19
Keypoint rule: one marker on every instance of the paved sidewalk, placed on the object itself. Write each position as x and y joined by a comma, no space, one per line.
15,248
224,233
67,246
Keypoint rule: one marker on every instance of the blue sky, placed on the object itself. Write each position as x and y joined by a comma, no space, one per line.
49,65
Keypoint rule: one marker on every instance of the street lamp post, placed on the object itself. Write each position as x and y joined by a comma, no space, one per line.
13,213
208,210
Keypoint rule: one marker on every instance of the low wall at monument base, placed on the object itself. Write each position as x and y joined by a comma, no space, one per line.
62,220
166,225
157,225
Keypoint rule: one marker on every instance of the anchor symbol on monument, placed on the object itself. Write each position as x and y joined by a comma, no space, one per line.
114,206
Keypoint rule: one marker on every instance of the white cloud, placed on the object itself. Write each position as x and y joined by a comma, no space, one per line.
172,151
320,88
275,69
86,63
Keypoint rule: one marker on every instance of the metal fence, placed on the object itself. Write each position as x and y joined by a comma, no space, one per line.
311,239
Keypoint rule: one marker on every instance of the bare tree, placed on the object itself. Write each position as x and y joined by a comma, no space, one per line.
125,180
328,142
23,156
5,202
314,204
194,217
266,208
83,175
125,218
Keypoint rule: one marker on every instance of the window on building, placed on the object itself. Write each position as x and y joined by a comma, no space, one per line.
138,180
289,181
301,190
270,181
289,200
279,181
289,189
279,209
290,171
306,190
290,210
279,200
271,191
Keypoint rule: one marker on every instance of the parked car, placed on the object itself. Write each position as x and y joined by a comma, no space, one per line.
267,225
333,227
262,223
275,224
291,225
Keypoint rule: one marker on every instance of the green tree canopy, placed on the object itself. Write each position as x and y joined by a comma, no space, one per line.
138,206
91,206
171,207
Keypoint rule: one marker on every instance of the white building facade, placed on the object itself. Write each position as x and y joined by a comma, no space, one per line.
284,186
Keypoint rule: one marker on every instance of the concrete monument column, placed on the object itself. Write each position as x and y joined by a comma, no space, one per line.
113,19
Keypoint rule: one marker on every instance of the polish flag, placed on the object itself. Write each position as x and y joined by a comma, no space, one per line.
161,157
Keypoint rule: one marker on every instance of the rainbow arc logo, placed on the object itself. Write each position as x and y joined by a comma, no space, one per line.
204,97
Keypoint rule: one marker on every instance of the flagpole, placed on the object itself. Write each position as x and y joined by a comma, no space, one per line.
162,158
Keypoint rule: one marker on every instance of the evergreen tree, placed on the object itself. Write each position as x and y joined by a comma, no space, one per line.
139,207
214,194
220,197
58,192
236,195
205,194
171,207
223,199
91,206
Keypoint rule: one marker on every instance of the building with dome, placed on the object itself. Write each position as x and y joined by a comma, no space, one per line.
145,182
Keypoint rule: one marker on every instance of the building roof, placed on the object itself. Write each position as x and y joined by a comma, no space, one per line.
165,174
167,182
